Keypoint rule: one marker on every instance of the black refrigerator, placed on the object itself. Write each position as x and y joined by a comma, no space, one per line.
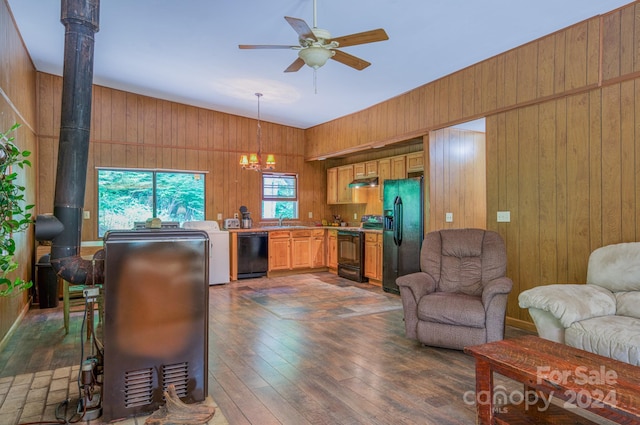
403,230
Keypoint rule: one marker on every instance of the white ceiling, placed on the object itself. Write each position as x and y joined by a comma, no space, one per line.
187,50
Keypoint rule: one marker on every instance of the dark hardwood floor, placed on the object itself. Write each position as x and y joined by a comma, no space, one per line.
291,350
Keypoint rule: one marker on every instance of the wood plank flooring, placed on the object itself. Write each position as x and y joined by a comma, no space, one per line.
320,369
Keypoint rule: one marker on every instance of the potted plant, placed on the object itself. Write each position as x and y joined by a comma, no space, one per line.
14,214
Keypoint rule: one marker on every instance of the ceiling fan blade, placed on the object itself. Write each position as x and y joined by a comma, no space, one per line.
350,60
361,38
295,66
301,27
265,46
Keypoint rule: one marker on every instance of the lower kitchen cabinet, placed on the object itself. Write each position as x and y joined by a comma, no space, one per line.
373,256
296,249
332,249
318,248
300,249
279,250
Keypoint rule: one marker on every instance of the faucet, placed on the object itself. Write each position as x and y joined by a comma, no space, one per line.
280,220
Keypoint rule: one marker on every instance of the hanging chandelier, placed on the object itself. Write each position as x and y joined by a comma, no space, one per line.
253,161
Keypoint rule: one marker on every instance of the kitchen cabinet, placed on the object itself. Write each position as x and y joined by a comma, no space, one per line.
300,249
384,173
371,168
384,169
332,186
365,169
279,250
345,176
338,190
373,257
398,167
318,248
415,162
296,249
332,249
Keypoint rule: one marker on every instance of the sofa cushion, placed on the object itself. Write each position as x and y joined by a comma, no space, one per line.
628,304
570,302
615,267
617,337
452,309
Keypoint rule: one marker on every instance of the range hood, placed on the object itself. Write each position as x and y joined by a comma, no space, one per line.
364,182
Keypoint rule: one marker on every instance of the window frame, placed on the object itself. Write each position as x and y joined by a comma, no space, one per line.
294,199
154,172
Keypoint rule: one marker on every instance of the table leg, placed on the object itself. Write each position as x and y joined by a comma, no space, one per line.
484,393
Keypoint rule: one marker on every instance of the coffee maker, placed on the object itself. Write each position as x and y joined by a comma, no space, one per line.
246,221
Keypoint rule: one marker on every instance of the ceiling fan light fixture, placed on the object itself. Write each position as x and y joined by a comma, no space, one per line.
315,57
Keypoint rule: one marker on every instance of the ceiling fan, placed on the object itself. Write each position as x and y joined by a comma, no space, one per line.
317,46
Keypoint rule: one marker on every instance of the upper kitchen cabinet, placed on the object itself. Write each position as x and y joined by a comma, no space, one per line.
365,169
415,162
332,186
338,190
345,176
398,167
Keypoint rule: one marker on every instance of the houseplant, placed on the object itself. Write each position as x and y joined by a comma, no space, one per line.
14,214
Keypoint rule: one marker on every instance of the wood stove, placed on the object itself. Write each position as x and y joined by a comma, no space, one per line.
156,313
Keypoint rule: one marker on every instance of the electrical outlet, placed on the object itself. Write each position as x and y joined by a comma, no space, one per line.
355,216
504,216
86,215
219,216
310,214
235,215
448,217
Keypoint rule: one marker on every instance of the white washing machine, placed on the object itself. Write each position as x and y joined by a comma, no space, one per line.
219,264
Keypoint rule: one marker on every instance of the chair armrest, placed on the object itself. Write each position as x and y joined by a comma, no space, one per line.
502,285
420,283
570,303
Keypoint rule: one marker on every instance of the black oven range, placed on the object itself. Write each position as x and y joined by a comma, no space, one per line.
351,255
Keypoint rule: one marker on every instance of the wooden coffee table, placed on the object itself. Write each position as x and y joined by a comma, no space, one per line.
549,370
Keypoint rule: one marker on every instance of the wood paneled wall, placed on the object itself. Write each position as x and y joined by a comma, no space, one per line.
555,65
457,180
563,149
133,131
18,105
569,172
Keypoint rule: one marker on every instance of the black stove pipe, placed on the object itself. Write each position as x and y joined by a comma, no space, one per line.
80,18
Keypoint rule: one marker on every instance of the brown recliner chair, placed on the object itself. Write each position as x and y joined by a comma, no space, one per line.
459,297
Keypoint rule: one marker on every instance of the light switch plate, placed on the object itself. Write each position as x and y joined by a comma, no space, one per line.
219,216
448,217
310,214
504,216
86,215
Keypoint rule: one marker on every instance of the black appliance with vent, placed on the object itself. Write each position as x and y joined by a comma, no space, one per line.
156,296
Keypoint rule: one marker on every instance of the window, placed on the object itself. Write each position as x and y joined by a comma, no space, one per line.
127,196
279,196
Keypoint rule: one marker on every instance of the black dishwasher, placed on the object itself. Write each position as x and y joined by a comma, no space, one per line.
253,254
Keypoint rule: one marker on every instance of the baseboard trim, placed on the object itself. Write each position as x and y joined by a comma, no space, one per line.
521,324
13,328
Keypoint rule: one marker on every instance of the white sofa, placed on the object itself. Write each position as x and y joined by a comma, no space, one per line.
601,316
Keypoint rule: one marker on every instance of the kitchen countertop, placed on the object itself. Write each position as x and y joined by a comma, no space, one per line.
294,227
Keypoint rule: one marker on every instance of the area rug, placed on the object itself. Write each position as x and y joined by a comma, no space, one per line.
313,299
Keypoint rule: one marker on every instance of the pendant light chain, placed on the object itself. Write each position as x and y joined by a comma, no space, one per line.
254,161
259,131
